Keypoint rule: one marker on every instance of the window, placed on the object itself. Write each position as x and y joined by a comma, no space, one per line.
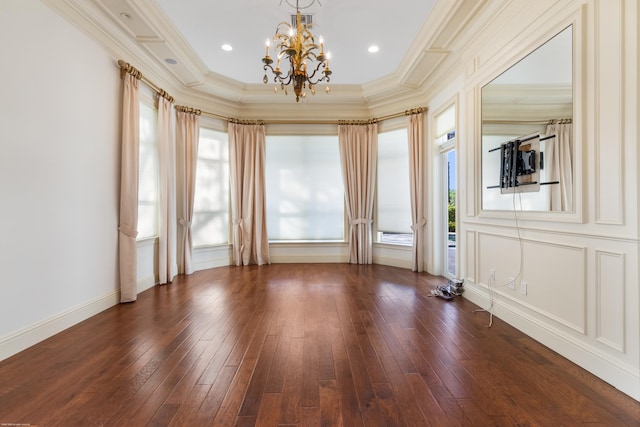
148,173
394,203
305,193
210,223
446,125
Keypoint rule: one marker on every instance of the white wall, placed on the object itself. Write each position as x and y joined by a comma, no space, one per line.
59,168
58,175
581,268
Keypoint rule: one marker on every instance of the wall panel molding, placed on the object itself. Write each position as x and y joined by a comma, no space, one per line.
610,299
557,292
609,104
470,256
472,179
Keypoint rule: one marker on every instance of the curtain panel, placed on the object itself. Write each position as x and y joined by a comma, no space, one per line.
167,267
187,136
358,156
248,206
559,162
416,187
128,216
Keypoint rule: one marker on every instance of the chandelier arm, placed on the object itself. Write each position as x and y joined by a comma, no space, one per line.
314,73
276,75
288,78
269,67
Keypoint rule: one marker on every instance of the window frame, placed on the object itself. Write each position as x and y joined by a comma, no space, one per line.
379,236
215,127
147,98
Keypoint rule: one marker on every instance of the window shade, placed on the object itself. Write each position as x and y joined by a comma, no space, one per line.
210,223
394,204
446,121
305,193
148,173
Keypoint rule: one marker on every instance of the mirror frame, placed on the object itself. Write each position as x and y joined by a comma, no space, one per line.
575,215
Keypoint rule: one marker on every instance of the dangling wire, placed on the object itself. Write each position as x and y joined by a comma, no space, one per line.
519,275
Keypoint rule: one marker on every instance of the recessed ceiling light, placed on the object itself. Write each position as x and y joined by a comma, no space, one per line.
373,48
171,61
227,47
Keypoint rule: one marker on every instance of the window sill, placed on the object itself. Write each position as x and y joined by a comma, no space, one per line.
147,241
393,245
212,247
307,242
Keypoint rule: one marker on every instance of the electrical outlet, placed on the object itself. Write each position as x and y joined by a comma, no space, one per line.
512,283
523,287
492,275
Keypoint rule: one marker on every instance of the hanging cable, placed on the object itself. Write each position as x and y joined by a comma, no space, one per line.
490,285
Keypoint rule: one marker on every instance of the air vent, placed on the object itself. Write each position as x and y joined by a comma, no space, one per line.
304,20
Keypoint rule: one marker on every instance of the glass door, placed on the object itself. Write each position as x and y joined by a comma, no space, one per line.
446,236
449,184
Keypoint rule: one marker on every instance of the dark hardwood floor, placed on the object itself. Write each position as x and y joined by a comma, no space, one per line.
283,345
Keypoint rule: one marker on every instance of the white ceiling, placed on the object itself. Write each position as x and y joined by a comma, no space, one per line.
414,37
348,27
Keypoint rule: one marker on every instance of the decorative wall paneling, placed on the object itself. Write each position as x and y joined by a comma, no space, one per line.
581,268
608,96
470,251
555,294
610,296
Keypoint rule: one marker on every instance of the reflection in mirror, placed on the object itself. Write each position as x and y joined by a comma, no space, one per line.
527,143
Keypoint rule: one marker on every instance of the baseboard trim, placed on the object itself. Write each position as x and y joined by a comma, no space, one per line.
25,338
620,375
307,259
392,262
144,284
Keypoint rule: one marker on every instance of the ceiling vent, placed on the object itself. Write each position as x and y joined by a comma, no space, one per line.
304,20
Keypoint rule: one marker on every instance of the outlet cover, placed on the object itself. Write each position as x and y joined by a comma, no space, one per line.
523,287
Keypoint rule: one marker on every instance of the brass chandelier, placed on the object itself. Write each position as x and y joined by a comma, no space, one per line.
295,44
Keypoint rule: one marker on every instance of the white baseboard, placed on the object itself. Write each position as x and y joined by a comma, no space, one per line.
620,375
213,263
18,341
307,259
393,262
144,284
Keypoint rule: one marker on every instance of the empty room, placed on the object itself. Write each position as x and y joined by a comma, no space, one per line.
320,212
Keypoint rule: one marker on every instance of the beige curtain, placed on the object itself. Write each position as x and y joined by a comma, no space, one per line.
187,135
167,267
128,221
248,208
416,187
559,165
358,155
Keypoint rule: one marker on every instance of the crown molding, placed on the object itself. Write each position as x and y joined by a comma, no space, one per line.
146,38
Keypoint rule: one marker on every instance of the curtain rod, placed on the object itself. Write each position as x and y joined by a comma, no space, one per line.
125,67
525,122
318,122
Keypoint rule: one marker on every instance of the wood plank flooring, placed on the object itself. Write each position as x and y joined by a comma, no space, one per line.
301,345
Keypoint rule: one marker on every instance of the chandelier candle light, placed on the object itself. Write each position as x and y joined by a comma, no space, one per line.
297,45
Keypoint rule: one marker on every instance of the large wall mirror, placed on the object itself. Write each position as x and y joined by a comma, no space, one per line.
527,138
